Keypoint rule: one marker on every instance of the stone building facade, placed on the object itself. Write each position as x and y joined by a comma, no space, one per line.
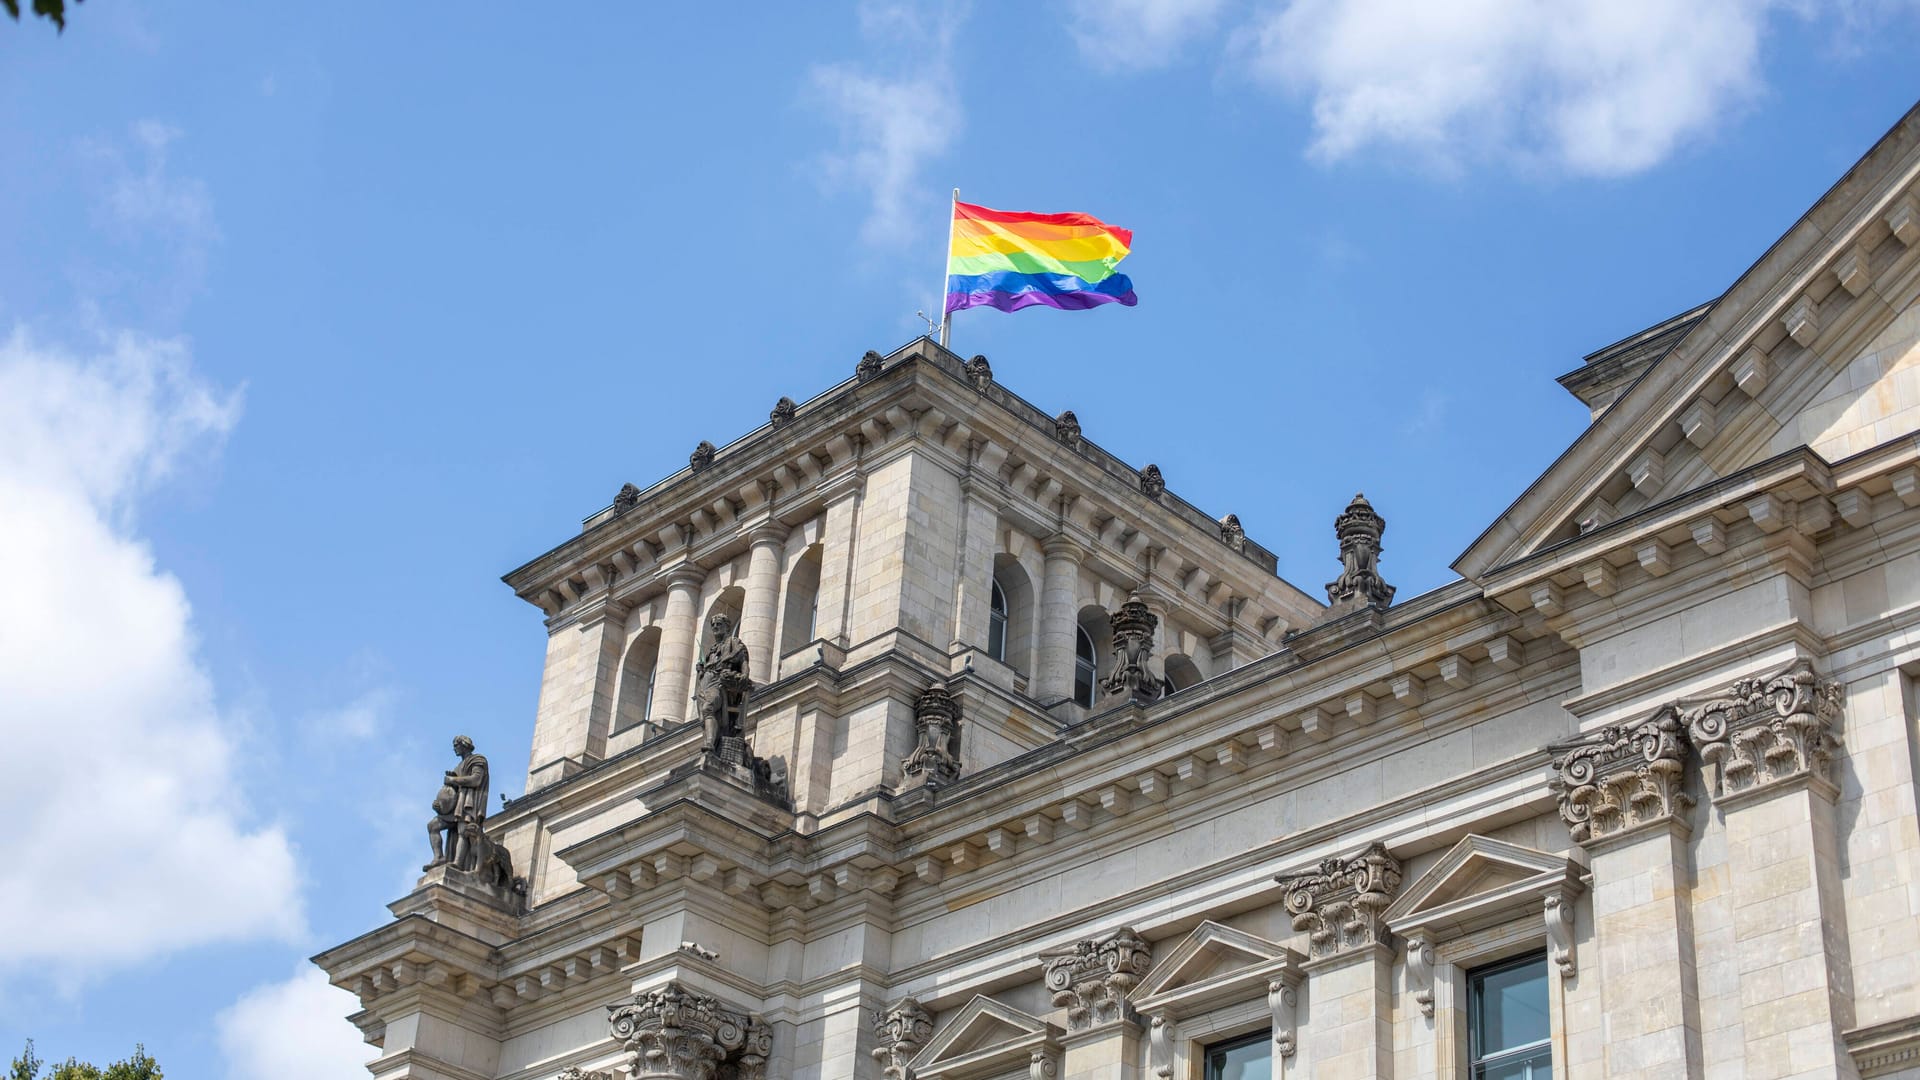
1002,760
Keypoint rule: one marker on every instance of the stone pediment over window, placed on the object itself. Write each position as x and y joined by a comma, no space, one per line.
990,1039
1215,965
1481,882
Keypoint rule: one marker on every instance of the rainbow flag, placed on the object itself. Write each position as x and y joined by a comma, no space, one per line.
1009,260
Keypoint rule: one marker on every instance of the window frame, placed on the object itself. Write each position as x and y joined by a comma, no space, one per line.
999,616
1089,663
1474,980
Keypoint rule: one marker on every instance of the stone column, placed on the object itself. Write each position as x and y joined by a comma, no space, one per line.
1091,980
839,535
679,637
1620,793
762,605
1059,614
674,1033
1767,745
1349,1024
973,577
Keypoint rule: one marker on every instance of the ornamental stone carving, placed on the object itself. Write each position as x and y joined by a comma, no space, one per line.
720,692
1091,980
936,754
783,411
1339,904
902,1031
979,373
1133,627
1768,730
1066,428
868,367
1622,777
1232,535
575,1072
1152,484
674,1033
702,456
627,499
1359,585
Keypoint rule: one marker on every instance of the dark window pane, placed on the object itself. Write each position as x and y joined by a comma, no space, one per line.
1510,1007
1248,1059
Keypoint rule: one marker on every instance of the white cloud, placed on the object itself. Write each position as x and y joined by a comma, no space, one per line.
1137,35
164,222
127,835
1594,87
293,1030
360,718
893,123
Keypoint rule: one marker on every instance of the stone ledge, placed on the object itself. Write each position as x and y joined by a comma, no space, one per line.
1884,1049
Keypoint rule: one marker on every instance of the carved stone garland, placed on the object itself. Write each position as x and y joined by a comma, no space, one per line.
936,754
902,1031
1767,730
1622,777
1339,904
1091,980
575,1072
677,1034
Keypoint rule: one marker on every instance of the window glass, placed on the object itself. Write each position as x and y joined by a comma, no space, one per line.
997,625
1085,669
1242,1059
1509,1027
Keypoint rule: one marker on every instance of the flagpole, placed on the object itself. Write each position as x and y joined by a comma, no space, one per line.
946,317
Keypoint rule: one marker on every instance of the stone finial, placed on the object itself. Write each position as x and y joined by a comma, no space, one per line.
868,367
1769,729
1092,978
902,1031
1066,428
673,1032
702,456
1621,777
936,754
1339,904
783,411
1133,627
1359,584
1152,484
627,499
1232,535
979,372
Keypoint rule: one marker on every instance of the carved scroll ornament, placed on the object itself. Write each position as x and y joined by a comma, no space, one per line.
1622,777
1339,904
1769,729
902,1031
1091,979
674,1033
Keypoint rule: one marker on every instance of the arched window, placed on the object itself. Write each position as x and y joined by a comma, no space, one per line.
997,624
800,614
1086,667
634,705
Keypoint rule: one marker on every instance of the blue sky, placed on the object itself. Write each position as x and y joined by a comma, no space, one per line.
314,321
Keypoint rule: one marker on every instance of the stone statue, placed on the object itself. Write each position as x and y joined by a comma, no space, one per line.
721,692
459,810
1359,530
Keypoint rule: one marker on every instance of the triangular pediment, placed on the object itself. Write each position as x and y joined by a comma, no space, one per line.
1480,880
1215,960
1816,345
982,1036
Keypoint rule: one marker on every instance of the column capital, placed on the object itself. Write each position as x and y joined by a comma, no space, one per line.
674,1033
766,532
1622,778
1092,977
1062,546
685,574
1340,902
1768,731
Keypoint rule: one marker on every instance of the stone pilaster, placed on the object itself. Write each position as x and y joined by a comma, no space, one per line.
679,633
1621,794
1768,743
762,605
1059,615
1350,967
973,578
577,694
839,549
673,1033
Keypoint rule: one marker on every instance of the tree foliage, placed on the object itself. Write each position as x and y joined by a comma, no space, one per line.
138,1067
46,9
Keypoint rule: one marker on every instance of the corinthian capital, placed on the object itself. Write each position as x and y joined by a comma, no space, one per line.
902,1031
1339,903
1622,777
1091,979
674,1033
1768,730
